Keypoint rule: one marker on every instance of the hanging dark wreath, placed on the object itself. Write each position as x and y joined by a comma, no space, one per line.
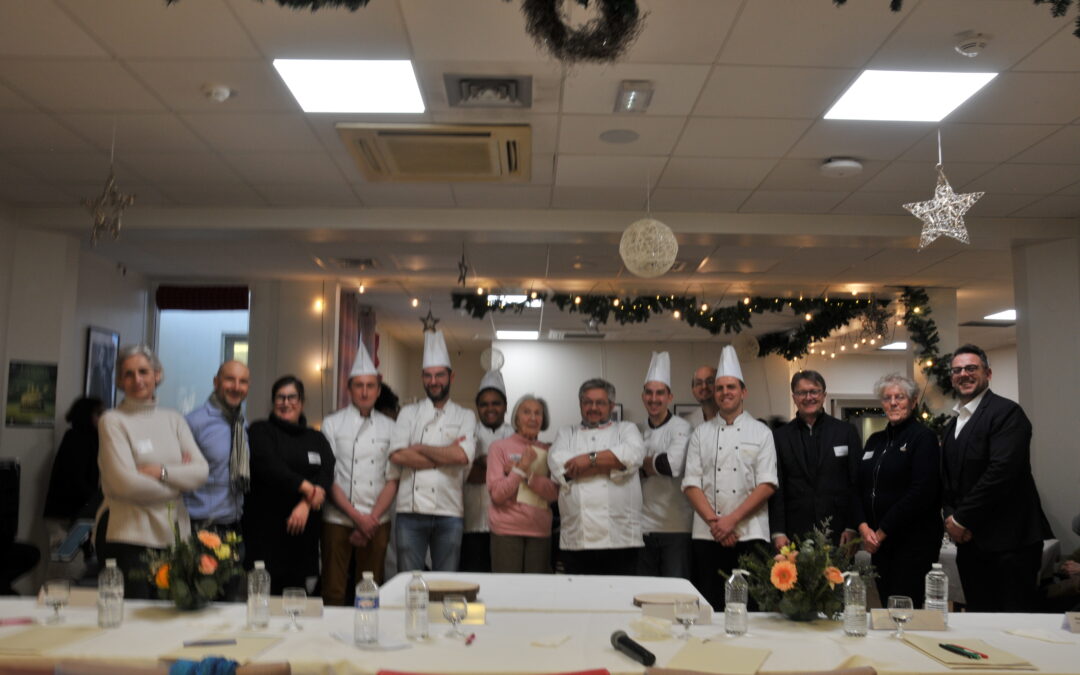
313,5
603,38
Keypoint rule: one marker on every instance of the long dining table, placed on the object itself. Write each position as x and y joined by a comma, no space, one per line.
533,624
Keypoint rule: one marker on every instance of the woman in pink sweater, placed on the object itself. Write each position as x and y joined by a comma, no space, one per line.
521,492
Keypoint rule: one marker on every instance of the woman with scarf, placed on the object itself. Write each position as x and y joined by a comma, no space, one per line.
292,470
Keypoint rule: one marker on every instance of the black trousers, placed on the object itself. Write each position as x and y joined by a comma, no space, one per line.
709,559
1000,581
614,561
902,566
475,552
131,560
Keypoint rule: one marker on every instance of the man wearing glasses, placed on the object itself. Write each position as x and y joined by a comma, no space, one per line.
992,509
703,385
815,456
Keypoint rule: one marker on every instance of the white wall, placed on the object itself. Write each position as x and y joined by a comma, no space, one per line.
190,349
394,359
1006,378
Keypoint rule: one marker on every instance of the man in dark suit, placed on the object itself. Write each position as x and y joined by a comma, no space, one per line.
815,456
992,508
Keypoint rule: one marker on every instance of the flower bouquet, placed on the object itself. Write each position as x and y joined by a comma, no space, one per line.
801,582
194,571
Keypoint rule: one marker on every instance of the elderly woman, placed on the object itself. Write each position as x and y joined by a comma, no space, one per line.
898,503
292,469
147,457
521,492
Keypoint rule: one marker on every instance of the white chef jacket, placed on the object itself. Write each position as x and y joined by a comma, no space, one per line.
361,446
477,498
433,492
727,461
664,506
696,418
600,511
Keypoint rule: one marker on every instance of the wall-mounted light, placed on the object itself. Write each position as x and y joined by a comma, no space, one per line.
317,306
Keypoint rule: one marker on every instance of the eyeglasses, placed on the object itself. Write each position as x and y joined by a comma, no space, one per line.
969,369
895,398
591,403
808,393
286,398
700,383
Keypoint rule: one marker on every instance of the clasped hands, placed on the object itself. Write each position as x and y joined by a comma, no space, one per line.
314,496
958,533
723,528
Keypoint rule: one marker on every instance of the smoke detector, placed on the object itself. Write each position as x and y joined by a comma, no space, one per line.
841,167
971,43
218,92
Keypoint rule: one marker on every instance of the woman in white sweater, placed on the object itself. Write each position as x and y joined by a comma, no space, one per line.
147,458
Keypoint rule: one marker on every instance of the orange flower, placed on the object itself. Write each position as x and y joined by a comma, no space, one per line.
161,577
784,575
207,564
209,539
833,576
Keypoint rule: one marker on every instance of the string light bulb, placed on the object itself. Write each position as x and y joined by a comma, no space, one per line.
917,310
843,347
929,362
832,355
808,316
746,300
577,300
899,322
532,296
925,415
361,289
415,302
677,314
704,307
480,290
615,302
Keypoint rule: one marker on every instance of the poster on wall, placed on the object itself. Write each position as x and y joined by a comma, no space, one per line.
31,398
101,347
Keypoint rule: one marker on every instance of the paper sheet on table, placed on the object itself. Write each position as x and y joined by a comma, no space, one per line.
245,649
313,607
40,639
525,494
1044,635
999,659
923,619
717,657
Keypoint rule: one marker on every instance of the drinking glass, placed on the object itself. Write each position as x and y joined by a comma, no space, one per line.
687,611
57,593
293,601
455,609
901,610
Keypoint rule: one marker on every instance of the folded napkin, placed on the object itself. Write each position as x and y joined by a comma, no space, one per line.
650,629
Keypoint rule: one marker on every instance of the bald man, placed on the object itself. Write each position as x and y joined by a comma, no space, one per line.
703,385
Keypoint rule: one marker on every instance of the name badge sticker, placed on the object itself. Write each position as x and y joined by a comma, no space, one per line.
144,446
314,458
840,450
869,454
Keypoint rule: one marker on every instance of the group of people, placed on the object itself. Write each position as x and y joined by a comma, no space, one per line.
678,497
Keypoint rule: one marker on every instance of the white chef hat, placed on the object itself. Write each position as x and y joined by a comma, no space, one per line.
435,353
659,369
729,365
493,379
362,364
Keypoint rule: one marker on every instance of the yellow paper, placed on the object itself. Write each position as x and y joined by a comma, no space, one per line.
999,659
245,649
41,639
525,494
923,619
717,657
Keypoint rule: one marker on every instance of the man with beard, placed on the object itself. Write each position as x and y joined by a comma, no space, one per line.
220,432
730,475
992,509
702,385
433,442
491,410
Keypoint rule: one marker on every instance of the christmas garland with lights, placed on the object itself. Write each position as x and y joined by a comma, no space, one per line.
1057,8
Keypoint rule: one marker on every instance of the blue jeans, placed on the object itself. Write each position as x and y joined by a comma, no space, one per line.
415,532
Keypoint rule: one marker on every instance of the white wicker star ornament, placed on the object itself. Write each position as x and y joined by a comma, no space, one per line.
944,214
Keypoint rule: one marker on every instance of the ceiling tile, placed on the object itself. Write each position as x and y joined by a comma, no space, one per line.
1030,179
584,261
898,261
286,167
337,194
723,137
1024,98
979,142
416,195
585,170
791,201
33,193
1061,52
34,28
10,101
592,88
580,134
468,30
1054,206
180,167
748,261
543,169
144,131
139,29
38,132
502,196
920,178
799,33
999,205
667,38
1062,147
145,194
1073,189
876,203
216,193
805,174
755,91
722,201
255,84
714,173
251,132
75,167
62,86
969,263
620,199
374,32
861,140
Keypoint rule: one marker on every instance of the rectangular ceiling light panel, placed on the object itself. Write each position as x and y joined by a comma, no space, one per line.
906,96
337,86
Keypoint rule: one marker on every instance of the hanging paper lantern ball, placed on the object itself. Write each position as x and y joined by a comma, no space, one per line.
648,248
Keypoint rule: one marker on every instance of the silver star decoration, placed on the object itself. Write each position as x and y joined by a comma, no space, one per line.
463,269
944,214
107,209
429,322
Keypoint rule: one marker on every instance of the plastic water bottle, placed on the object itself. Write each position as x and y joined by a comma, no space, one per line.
110,595
258,596
937,591
366,620
416,608
736,595
854,605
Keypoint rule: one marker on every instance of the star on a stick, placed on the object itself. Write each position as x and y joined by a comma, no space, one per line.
429,322
944,214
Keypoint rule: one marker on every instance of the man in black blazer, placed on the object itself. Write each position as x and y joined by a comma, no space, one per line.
815,459
992,509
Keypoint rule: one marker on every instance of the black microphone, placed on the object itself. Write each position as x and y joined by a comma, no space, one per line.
625,644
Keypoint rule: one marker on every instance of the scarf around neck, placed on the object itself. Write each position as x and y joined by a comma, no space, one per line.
239,453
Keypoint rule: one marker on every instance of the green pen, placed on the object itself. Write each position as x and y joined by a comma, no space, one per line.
956,649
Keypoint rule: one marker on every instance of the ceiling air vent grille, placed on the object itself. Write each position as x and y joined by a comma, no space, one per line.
439,153
574,335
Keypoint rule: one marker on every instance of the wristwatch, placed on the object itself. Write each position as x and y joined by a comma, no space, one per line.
164,474
592,459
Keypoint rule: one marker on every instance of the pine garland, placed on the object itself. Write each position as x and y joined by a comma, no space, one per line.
924,333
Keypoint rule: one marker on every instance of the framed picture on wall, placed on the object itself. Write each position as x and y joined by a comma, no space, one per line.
31,395
616,413
102,345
